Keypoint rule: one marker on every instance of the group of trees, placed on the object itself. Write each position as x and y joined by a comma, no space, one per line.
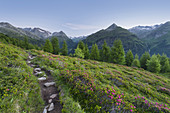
116,54
54,47
17,42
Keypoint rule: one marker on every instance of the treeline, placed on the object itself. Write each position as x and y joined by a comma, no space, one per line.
17,42
116,54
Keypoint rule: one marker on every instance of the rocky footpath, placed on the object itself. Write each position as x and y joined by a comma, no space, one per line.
49,91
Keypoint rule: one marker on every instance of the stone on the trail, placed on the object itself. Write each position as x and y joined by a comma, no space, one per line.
51,107
37,69
31,57
28,62
41,78
53,96
45,75
45,110
49,84
38,73
32,65
50,100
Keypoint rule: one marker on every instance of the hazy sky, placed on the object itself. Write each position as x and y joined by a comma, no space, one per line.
83,17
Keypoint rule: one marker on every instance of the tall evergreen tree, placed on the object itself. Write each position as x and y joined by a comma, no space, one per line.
129,58
64,49
153,65
26,44
48,46
81,45
164,61
105,53
79,53
143,60
117,52
165,67
86,52
136,62
55,44
94,52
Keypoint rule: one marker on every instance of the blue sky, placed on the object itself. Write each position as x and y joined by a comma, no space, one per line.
83,17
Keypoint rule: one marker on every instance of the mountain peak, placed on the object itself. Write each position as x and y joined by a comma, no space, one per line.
112,27
5,24
61,33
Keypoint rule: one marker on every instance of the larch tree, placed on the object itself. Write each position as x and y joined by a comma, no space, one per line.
48,46
153,65
64,49
55,44
117,53
129,58
143,60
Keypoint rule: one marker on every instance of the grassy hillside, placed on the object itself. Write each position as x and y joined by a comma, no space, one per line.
93,86
19,89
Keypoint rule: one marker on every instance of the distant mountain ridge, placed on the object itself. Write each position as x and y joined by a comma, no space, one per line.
77,39
113,32
12,31
157,38
143,31
34,34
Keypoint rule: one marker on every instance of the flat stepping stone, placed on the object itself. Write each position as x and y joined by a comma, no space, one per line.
45,110
41,78
50,100
51,107
49,84
31,57
37,69
38,73
28,62
53,96
32,65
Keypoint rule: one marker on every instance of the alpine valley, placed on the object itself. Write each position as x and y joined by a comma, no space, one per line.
155,39
114,70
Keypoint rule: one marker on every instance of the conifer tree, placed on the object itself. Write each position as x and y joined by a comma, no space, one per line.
79,53
164,61
64,49
129,58
165,67
117,52
136,62
94,52
26,44
48,46
143,60
153,65
86,52
55,44
81,45
105,52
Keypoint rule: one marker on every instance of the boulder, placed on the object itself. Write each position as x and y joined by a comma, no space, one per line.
51,107
38,73
48,84
50,100
41,78
53,96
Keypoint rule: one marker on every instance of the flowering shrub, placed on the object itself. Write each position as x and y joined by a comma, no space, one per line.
19,90
106,87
